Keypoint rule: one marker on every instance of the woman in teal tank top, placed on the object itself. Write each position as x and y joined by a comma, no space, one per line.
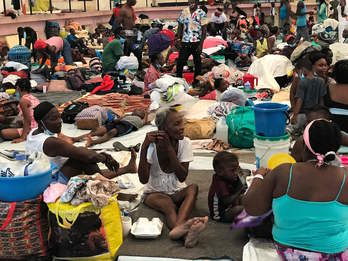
309,199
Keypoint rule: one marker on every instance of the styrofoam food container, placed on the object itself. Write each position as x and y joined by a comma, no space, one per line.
144,228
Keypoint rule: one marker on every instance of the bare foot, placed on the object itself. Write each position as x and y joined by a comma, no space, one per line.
132,165
193,234
182,229
89,141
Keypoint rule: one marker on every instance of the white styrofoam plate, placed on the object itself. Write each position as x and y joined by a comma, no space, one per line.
146,229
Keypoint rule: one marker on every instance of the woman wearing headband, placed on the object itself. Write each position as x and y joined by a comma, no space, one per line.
68,159
309,199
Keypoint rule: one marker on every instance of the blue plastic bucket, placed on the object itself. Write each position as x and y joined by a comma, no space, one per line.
25,187
270,119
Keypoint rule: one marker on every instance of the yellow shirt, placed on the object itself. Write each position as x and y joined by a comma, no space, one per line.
261,49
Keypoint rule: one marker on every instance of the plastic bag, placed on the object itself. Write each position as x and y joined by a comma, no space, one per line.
127,62
234,95
90,232
241,127
37,163
199,129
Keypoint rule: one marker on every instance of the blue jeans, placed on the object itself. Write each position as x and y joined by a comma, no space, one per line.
67,53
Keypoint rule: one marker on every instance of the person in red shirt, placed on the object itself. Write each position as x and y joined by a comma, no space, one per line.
226,188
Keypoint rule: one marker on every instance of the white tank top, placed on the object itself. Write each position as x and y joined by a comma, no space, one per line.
35,144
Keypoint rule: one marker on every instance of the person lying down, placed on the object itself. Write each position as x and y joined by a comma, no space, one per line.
116,128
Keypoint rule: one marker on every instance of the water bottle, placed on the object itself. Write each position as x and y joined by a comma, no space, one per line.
222,130
247,86
126,223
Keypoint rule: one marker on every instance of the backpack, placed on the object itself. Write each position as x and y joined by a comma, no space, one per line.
70,112
74,79
241,127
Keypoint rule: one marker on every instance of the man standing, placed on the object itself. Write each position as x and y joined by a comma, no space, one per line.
126,19
126,16
192,31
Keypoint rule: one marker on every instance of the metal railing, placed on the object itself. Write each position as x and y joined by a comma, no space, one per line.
111,4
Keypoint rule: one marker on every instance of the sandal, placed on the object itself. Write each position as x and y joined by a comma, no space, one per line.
118,146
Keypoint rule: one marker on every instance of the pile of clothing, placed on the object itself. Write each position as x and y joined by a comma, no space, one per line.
83,188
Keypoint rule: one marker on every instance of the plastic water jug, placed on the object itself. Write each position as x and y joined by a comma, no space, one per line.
253,80
222,130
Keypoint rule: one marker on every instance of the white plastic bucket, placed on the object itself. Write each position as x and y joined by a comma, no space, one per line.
266,147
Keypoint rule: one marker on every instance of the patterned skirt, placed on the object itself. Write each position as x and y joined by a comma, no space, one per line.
292,254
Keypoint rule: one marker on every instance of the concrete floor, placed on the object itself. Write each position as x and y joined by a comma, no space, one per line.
217,241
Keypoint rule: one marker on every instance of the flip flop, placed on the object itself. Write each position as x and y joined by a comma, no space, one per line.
118,146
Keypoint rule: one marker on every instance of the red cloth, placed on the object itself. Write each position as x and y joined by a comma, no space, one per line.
106,85
151,75
21,74
40,44
170,34
172,57
209,96
116,11
111,38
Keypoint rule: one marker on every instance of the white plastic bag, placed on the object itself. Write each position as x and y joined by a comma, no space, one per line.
37,163
10,169
234,95
127,62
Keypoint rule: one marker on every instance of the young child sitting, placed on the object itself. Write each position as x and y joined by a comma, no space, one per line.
310,92
116,128
226,188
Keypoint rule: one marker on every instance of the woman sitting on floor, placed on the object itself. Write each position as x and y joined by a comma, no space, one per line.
68,159
163,168
309,199
27,103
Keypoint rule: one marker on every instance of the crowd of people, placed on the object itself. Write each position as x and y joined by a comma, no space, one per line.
308,198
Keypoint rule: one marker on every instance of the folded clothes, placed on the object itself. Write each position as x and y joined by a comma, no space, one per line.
96,189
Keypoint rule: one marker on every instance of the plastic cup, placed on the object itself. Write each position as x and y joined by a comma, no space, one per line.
126,225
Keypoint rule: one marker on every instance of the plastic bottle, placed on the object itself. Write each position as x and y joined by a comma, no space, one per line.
126,223
222,130
247,86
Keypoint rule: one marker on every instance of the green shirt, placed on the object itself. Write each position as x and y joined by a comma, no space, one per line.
112,53
322,13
